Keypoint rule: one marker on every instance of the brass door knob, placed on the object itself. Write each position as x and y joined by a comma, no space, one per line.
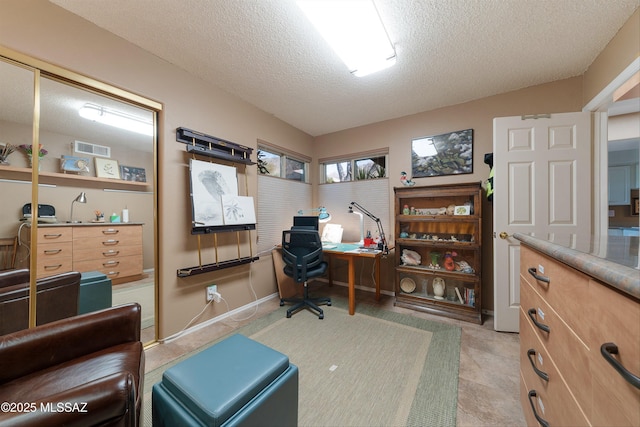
504,235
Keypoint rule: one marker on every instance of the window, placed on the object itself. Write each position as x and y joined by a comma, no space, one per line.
273,163
355,169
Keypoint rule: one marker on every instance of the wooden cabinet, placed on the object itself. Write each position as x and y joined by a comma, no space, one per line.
113,249
438,249
565,318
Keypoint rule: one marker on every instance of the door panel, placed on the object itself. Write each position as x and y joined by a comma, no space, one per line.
542,187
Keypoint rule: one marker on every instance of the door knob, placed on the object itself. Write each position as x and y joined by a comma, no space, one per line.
504,235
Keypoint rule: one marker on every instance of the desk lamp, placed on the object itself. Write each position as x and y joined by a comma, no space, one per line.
323,215
383,240
82,198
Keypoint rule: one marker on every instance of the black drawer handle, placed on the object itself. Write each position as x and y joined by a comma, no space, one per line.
541,326
538,372
532,271
52,251
542,421
609,348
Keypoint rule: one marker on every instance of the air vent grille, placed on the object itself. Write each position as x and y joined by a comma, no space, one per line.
92,149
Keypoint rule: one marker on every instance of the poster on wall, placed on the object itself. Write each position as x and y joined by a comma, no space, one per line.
209,182
447,154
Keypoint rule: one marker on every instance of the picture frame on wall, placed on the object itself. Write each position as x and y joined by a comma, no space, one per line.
107,168
445,154
131,173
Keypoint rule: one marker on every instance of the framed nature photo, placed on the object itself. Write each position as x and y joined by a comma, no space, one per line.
130,173
107,168
446,154
74,164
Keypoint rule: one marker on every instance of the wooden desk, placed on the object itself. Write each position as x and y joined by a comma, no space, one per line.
349,252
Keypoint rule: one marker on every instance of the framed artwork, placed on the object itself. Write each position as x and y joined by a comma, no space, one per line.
130,173
238,210
107,168
446,154
635,206
74,164
209,182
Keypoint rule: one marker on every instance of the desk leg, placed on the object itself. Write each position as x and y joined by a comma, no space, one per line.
376,262
352,286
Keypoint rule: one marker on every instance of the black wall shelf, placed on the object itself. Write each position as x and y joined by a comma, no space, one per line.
211,146
192,271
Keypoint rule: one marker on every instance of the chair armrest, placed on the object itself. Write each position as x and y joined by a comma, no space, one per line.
32,350
107,399
14,277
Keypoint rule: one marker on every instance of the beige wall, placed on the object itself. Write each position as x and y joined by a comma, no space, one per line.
621,51
42,30
556,97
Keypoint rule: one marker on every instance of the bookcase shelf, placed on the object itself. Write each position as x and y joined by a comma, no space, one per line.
424,280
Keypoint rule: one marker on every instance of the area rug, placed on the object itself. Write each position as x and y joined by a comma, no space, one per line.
143,294
376,368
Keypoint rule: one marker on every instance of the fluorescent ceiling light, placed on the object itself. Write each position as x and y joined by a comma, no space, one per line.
116,118
355,32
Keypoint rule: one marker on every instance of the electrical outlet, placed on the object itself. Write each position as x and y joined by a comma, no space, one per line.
217,297
211,291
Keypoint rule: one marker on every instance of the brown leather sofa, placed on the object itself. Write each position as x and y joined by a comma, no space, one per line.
57,298
86,370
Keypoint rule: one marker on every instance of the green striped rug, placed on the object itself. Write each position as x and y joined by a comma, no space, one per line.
376,368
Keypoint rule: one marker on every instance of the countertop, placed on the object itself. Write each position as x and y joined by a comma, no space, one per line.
84,224
611,259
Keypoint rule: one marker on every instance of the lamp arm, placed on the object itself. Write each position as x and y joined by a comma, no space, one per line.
385,247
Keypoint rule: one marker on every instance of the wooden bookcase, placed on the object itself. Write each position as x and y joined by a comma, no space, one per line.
438,240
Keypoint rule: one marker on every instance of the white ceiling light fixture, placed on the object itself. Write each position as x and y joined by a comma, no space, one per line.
116,118
354,30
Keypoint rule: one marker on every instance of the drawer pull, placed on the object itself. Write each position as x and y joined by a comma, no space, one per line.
534,272
52,267
542,421
110,231
541,374
110,263
52,236
609,348
111,242
110,252
52,251
541,326
113,273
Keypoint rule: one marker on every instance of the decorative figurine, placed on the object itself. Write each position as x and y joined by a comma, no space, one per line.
434,260
405,210
405,180
438,287
448,262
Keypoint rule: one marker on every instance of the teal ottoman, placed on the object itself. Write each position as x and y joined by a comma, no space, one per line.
236,382
95,292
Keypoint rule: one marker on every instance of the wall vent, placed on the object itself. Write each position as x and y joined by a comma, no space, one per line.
92,149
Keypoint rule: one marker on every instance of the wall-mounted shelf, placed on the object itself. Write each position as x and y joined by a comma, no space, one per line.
211,146
55,178
192,271
202,144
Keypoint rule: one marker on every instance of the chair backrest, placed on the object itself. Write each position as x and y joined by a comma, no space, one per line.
301,253
8,249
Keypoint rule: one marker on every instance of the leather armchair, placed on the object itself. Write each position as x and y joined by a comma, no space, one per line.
57,298
86,370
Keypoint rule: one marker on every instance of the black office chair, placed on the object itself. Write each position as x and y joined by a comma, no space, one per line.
302,255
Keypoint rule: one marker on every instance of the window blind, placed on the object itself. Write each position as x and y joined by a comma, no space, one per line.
278,202
371,194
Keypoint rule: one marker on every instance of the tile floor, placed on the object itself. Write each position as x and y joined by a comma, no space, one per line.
488,388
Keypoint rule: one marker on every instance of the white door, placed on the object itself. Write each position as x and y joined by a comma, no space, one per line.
542,181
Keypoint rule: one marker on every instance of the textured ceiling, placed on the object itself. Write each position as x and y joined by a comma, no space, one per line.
449,51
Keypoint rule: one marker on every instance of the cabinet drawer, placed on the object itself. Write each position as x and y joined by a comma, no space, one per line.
615,319
55,234
98,244
122,232
567,291
114,268
106,252
570,354
50,267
